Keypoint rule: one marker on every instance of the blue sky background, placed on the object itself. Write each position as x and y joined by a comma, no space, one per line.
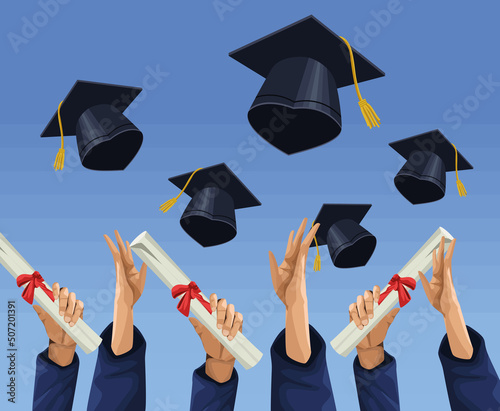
435,56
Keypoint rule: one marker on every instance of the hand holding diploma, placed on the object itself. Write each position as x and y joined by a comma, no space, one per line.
220,362
371,348
61,345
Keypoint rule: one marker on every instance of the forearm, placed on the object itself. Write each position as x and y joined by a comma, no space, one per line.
458,337
297,338
122,339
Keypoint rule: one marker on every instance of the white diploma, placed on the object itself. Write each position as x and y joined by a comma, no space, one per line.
351,335
15,264
164,267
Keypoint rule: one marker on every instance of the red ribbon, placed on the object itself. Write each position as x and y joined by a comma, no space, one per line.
190,291
399,284
34,280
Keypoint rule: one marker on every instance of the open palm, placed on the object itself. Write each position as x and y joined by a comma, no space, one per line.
440,290
289,277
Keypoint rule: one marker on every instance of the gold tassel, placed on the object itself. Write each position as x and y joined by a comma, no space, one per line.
317,259
167,205
59,163
461,189
368,112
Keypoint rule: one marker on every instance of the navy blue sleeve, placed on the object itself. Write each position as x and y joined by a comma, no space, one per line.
119,381
54,385
209,395
472,384
378,387
297,386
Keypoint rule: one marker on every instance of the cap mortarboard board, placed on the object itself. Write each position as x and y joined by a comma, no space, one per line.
107,140
304,64
349,244
429,156
216,193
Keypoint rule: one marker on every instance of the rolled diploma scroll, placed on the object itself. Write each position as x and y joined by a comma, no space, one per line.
15,264
351,335
164,267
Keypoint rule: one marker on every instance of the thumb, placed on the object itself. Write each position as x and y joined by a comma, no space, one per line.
425,283
388,319
41,312
198,327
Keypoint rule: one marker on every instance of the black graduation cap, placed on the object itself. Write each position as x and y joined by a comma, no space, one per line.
304,64
216,193
429,156
107,140
350,245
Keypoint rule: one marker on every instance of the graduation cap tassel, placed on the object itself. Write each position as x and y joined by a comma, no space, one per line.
59,163
367,110
167,205
317,259
461,189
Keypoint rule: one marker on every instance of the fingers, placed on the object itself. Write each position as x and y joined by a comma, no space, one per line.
363,316
354,316
228,322
112,247
376,293
290,241
70,307
213,301
369,303
441,251
451,248
121,246
63,300
310,236
221,313
78,313
237,326
300,233
55,290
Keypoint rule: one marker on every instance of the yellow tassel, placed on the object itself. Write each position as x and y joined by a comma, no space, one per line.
59,163
371,118
317,259
167,205
461,189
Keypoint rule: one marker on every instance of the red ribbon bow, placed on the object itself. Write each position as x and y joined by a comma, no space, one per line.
399,284
34,280
190,291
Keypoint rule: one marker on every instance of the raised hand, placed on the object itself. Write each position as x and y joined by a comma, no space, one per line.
442,295
289,278
61,345
129,288
440,290
129,281
219,363
371,348
289,281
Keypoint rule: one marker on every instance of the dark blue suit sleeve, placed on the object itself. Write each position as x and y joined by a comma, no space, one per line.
472,384
297,386
209,395
54,385
378,387
119,381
